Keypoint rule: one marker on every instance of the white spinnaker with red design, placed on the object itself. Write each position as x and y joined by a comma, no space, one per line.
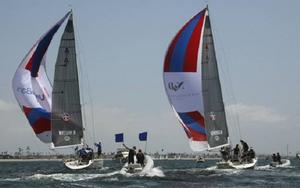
193,87
32,87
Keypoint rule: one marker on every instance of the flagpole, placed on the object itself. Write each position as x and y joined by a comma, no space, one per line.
143,137
146,146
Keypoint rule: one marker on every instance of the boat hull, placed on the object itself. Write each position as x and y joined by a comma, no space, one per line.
137,168
284,163
77,165
236,165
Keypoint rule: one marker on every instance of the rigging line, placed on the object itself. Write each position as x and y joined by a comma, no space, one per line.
90,99
235,114
84,119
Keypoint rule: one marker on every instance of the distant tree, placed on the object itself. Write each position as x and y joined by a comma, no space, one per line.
20,151
27,150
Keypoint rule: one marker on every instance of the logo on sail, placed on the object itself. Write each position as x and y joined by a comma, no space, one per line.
67,132
29,91
212,116
66,117
216,132
175,86
67,138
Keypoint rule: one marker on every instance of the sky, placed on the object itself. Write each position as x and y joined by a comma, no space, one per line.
121,47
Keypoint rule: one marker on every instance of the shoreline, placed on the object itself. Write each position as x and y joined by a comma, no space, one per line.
27,160
34,160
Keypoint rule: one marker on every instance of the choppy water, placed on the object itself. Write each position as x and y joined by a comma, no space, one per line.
167,173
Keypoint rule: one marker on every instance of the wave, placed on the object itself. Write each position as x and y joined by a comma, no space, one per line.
70,177
265,167
10,179
148,171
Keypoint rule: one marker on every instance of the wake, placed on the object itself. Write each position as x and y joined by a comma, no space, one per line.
148,170
70,177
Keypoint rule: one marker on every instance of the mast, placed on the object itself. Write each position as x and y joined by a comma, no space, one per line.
66,117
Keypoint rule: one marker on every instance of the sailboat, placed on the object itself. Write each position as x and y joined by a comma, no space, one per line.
193,87
54,113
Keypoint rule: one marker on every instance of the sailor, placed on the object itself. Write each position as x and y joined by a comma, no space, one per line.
224,153
82,155
140,157
236,152
81,152
131,154
245,148
89,152
99,148
278,158
274,158
251,154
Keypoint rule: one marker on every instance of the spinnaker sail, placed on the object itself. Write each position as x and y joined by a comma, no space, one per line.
192,84
32,88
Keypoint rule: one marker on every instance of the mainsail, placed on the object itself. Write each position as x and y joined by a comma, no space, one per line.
66,117
192,84
32,88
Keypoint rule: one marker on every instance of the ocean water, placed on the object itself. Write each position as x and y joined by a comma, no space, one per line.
166,173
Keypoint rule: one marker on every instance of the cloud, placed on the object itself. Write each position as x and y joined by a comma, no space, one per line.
5,106
255,113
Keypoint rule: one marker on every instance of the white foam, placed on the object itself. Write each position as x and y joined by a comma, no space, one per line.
71,177
11,179
220,172
112,179
148,170
212,168
154,172
265,167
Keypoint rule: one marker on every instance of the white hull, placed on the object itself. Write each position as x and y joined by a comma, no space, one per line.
284,163
137,168
77,165
133,168
236,165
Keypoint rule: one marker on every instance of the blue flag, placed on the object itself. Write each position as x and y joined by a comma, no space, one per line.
143,136
119,137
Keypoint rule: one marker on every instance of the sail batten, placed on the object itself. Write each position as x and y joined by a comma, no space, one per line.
192,84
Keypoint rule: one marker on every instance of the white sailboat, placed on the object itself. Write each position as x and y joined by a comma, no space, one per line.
54,113
193,87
